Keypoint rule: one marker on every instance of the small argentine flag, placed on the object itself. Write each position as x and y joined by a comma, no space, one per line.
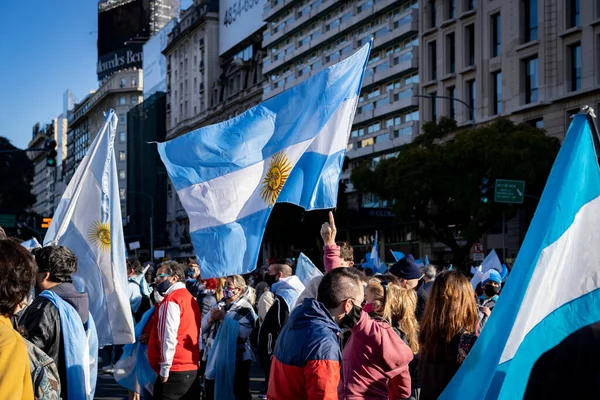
289,148
553,293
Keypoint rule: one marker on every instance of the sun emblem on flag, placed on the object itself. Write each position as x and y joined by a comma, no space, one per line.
99,235
277,174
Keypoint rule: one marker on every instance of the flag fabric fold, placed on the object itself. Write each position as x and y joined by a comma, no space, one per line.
289,148
88,221
554,287
306,270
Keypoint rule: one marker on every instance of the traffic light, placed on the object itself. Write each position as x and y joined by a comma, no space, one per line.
50,147
485,188
46,223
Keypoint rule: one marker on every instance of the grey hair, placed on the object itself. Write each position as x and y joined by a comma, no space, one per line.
430,271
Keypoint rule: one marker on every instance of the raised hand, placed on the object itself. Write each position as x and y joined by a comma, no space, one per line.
329,231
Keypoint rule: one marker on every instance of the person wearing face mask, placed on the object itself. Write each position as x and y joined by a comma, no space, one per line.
286,288
376,359
227,373
307,358
490,284
173,348
193,282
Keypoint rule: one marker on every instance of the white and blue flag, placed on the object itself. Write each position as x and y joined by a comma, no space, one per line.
289,148
306,270
554,287
88,221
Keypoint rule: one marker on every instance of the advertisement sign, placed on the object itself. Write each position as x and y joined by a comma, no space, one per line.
238,19
128,57
155,63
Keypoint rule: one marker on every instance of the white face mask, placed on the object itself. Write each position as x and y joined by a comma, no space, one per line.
157,297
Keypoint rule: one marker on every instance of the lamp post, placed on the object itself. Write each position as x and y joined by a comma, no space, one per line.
435,96
151,221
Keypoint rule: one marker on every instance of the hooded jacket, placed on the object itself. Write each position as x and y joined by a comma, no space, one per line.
375,363
307,359
41,321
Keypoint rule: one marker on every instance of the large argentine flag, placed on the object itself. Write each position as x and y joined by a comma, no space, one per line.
553,288
228,176
88,221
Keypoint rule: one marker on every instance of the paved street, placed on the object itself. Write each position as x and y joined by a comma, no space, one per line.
108,389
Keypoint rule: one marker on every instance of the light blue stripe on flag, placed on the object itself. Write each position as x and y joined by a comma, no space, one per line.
553,289
288,149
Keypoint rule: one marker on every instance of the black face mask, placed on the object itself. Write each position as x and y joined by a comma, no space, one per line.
491,291
162,287
351,318
270,279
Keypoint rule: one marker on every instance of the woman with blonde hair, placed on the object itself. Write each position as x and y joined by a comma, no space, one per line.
448,331
376,359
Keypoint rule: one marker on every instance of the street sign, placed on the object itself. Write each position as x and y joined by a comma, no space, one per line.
508,191
478,248
8,220
478,257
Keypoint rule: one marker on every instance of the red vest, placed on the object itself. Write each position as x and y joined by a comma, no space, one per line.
187,351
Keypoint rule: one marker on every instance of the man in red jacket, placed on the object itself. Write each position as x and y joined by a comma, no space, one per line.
173,349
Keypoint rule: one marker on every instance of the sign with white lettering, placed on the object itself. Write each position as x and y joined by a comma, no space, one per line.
128,57
238,19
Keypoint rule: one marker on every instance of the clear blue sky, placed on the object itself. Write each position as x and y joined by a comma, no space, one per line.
46,47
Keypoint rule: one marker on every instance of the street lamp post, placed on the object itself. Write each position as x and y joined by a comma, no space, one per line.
434,96
151,221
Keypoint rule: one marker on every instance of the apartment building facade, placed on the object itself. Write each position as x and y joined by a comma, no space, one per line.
43,175
522,59
121,92
304,37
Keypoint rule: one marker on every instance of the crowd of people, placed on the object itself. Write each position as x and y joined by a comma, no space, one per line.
347,334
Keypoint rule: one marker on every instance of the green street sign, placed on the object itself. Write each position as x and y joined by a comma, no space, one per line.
508,191
8,220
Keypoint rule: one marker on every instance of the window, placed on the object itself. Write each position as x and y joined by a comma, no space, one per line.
122,118
433,59
451,9
538,123
122,156
122,100
531,80
470,5
495,26
575,66
134,99
433,106
134,82
451,92
450,54
432,14
122,194
470,36
530,20
497,93
122,137
123,82
471,96
122,174
572,13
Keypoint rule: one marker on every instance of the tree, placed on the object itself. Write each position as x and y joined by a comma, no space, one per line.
16,175
435,180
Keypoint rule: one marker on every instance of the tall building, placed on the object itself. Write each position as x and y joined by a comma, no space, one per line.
214,72
124,26
44,175
523,59
304,37
121,92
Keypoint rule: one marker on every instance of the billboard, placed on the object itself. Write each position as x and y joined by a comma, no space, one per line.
123,26
155,63
238,19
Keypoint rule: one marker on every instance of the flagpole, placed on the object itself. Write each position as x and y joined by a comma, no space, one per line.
68,213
